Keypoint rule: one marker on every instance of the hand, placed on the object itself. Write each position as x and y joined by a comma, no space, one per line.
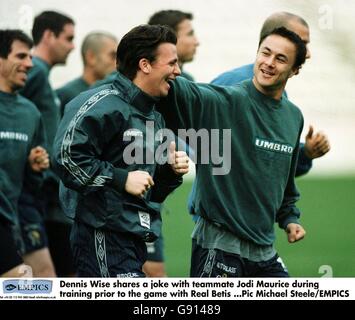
295,232
178,160
138,183
317,145
38,159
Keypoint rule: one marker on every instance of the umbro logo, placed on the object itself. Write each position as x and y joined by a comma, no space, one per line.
273,146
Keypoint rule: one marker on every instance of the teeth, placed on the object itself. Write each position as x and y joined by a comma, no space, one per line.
266,72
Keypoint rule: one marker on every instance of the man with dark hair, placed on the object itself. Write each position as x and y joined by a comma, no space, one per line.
113,186
238,206
181,23
316,145
53,35
21,133
98,52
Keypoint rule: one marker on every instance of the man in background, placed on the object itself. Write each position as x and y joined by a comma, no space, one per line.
53,35
21,138
98,52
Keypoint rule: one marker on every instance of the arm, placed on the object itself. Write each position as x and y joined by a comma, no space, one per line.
288,214
78,153
188,104
169,176
304,164
38,160
316,146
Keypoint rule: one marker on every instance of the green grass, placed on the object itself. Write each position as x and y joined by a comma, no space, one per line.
328,215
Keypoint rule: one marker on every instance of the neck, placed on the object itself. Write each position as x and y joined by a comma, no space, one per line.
42,52
141,85
4,87
89,76
272,92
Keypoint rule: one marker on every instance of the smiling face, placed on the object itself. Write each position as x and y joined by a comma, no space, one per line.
164,68
14,68
274,65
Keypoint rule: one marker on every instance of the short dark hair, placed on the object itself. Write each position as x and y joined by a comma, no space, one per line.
93,41
171,18
278,20
51,20
8,36
301,49
141,42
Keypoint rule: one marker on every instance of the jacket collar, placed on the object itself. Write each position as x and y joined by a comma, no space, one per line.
130,93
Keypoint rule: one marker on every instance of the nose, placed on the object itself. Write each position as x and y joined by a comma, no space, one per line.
270,61
308,54
177,70
28,63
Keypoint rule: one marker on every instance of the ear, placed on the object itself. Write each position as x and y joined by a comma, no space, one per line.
144,65
47,36
90,58
295,72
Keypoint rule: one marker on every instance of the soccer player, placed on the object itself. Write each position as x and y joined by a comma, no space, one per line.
239,202
115,199
98,52
21,133
53,35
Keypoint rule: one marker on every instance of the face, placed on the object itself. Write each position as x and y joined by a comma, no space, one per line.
63,44
14,69
274,65
302,31
186,41
105,61
164,68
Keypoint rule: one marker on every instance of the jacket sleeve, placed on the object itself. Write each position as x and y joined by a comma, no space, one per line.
304,164
79,152
166,181
189,103
288,212
34,180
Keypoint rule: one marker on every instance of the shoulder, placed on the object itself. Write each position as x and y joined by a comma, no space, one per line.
28,107
98,101
295,111
235,76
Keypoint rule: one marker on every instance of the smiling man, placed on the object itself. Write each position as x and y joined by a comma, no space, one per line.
21,133
40,214
234,235
116,203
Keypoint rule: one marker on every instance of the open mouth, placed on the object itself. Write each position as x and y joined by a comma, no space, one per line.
267,73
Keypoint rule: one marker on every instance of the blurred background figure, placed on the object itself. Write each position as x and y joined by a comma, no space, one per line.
181,23
98,52
53,35
21,134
